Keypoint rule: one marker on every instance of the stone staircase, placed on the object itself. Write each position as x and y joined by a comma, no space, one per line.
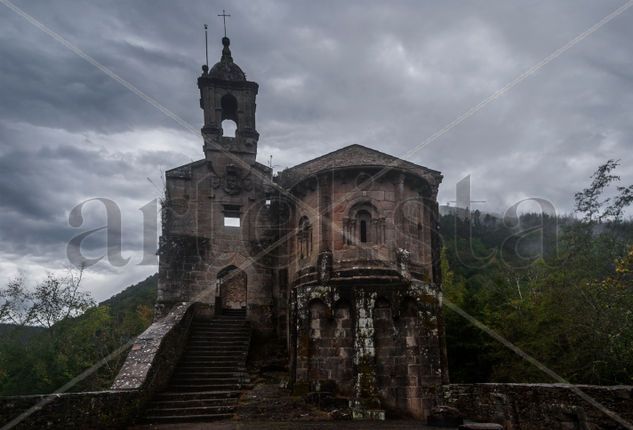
206,382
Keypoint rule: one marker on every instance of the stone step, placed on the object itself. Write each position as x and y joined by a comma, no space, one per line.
189,387
223,335
216,331
215,344
216,347
212,344
221,326
207,349
210,362
222,340
195,410
208,366
192,403
195,349
194,380
207,381
221,355
206,395
206,342
212,358
158,419
201,375
222,323
215,324
217,352
240,339
216,327
222,358
237,376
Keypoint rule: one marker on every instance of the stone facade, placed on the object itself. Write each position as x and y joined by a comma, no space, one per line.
336,257
201,245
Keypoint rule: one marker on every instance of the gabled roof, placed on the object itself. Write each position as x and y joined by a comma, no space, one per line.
185,171
356,156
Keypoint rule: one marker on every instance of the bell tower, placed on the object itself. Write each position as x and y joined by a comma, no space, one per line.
228,99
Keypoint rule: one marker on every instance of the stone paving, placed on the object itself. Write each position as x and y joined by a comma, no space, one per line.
294,425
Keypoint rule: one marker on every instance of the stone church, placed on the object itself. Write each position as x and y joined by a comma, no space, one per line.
336,258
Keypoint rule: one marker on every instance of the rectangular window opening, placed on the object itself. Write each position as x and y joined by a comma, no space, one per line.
231,221
231,216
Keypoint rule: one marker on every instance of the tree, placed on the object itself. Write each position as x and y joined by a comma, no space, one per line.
56,299
591,203
53,300
16,303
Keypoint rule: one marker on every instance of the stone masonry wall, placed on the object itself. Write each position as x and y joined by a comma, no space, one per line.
381,346
89,410
196,246
543,406
400,219
330,349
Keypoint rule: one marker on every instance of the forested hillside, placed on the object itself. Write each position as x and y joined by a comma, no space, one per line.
568,306
560,289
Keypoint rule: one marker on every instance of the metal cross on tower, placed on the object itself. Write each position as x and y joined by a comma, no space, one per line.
224,15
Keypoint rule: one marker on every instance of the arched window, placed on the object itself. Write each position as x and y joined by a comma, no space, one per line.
228,103
229,127
363,220
363,225
305,237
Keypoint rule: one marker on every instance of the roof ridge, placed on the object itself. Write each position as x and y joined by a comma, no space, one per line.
325,155
384,154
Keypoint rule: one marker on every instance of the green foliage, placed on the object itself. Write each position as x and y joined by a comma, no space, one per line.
40,360
558,288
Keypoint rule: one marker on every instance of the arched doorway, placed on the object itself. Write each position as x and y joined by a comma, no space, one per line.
232,288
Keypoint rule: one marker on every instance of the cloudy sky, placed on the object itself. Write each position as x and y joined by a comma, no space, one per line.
387,75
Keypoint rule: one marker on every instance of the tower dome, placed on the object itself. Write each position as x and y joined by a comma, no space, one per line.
226,69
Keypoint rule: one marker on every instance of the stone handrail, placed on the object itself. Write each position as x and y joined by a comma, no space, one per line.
155,351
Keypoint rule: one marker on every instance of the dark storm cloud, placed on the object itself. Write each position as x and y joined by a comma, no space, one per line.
385,75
